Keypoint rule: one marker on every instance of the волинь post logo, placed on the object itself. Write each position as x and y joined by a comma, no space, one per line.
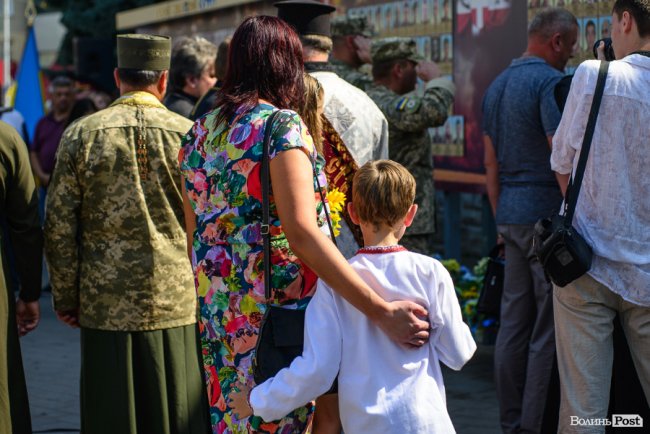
617,421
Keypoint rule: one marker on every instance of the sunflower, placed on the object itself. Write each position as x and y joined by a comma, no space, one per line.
336,200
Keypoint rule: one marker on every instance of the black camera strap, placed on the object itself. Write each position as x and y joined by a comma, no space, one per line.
573,190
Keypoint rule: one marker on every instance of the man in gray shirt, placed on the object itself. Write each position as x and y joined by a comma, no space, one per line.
520,118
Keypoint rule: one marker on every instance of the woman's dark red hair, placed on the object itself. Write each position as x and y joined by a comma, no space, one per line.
264,62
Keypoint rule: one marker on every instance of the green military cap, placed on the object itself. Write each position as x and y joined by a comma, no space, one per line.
394,48
344,26
143,52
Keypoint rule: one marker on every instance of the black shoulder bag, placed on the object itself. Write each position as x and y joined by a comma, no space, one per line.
562,251
489,302
281,335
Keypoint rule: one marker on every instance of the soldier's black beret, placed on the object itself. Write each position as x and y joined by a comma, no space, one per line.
308,17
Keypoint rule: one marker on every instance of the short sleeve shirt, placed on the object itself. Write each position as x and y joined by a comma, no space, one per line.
519,113
222,167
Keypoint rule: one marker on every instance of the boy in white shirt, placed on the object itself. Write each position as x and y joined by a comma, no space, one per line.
383,388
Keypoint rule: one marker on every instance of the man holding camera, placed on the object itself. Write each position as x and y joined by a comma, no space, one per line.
613,215
520,118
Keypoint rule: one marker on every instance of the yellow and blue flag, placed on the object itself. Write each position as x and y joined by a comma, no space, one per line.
29,98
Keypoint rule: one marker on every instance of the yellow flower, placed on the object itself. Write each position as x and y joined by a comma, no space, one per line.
336,201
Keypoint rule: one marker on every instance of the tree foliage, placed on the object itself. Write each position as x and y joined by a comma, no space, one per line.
88,18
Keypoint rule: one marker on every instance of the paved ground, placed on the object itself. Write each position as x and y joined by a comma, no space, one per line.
471,397
51,358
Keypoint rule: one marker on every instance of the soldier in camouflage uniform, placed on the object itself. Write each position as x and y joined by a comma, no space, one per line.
116,248
350,57
396,66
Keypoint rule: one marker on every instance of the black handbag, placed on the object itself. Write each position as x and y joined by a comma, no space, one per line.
489,302
562,251
281,335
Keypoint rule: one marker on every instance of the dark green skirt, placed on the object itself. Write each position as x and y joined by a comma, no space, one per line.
142,382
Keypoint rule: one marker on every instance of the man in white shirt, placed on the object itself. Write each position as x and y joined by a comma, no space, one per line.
613,215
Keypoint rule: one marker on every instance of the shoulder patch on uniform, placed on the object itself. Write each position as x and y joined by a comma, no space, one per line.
407,104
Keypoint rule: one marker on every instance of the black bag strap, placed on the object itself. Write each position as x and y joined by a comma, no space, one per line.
266,183
573,189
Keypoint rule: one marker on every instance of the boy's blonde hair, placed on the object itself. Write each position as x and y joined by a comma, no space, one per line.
382,192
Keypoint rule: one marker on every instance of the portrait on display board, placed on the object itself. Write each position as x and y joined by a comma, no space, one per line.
446,48
459,131
605,27
435,48
449,138
408,13
388,16
589,33
445,10
423,44
424,12
435,11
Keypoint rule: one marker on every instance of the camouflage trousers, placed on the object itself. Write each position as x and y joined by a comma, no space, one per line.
418,243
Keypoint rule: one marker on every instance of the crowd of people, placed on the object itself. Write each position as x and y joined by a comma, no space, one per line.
151,216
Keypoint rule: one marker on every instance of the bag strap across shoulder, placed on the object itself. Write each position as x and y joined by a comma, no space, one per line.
266,183
573,190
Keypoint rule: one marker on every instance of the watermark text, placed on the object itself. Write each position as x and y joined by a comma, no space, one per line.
617,421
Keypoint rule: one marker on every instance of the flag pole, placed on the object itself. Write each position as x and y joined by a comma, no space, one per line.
6,46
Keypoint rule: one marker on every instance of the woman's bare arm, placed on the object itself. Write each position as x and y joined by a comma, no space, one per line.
292,181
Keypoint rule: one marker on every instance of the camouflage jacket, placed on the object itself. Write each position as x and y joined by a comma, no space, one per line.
409,116
115,239
355,77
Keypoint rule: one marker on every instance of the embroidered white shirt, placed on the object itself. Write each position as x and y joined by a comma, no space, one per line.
613,210
383,387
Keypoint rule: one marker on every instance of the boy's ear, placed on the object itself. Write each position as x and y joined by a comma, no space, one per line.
410,215
353,213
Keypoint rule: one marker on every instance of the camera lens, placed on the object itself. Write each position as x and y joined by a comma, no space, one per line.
609,50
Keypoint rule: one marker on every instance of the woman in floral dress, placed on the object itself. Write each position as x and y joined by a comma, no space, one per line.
221,160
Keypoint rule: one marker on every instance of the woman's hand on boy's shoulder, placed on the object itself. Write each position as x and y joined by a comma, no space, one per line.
406,323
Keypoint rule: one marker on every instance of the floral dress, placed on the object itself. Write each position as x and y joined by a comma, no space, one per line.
221,165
